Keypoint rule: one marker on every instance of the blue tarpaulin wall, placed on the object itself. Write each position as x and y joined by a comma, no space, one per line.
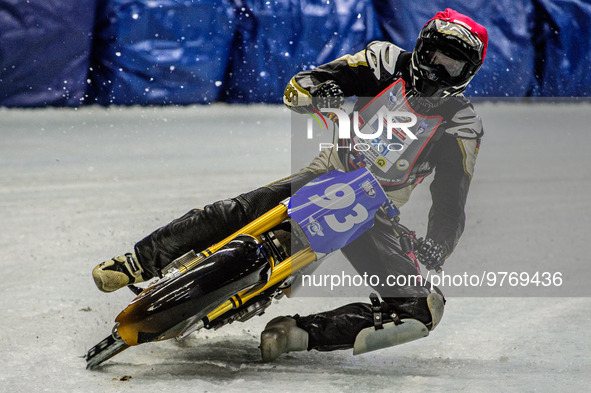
563,42
507,69
159,52
276,39
44,51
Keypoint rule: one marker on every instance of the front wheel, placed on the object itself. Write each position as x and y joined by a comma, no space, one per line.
168,308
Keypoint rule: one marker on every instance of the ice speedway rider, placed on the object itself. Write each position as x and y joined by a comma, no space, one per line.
449,51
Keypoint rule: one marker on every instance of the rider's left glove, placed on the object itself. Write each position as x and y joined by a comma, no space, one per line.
431,254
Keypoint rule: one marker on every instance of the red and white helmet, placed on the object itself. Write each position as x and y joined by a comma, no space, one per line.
449,51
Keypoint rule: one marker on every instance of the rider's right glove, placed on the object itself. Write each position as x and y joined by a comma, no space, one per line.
431,254
328,95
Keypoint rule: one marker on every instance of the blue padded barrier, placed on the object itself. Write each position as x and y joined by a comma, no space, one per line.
507,69
161,52
44,52
276,39
563,42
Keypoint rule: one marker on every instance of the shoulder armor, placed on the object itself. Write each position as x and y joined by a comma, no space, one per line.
465,123
381,58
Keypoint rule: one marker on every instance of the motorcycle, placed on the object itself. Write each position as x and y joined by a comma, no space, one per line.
237,278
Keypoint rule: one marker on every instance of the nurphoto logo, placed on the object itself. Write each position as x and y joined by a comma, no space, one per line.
393,119
395,123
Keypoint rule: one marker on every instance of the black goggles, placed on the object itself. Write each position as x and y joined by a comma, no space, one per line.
443,66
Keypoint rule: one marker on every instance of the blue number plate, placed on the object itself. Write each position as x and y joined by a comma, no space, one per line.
336,208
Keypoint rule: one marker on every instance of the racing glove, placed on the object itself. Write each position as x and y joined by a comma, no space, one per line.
328,95
431,254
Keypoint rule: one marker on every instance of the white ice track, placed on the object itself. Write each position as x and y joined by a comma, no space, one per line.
80,186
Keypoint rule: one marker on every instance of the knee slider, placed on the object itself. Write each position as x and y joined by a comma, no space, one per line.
400,332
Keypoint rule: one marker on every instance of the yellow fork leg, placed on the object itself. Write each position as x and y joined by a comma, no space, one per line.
279,273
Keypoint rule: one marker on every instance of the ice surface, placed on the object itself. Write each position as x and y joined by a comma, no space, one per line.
80,186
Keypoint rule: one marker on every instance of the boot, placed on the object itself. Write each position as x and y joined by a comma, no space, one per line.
117,273
282,335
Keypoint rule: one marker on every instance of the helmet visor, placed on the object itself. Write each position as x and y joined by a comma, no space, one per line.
451,66
443,64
